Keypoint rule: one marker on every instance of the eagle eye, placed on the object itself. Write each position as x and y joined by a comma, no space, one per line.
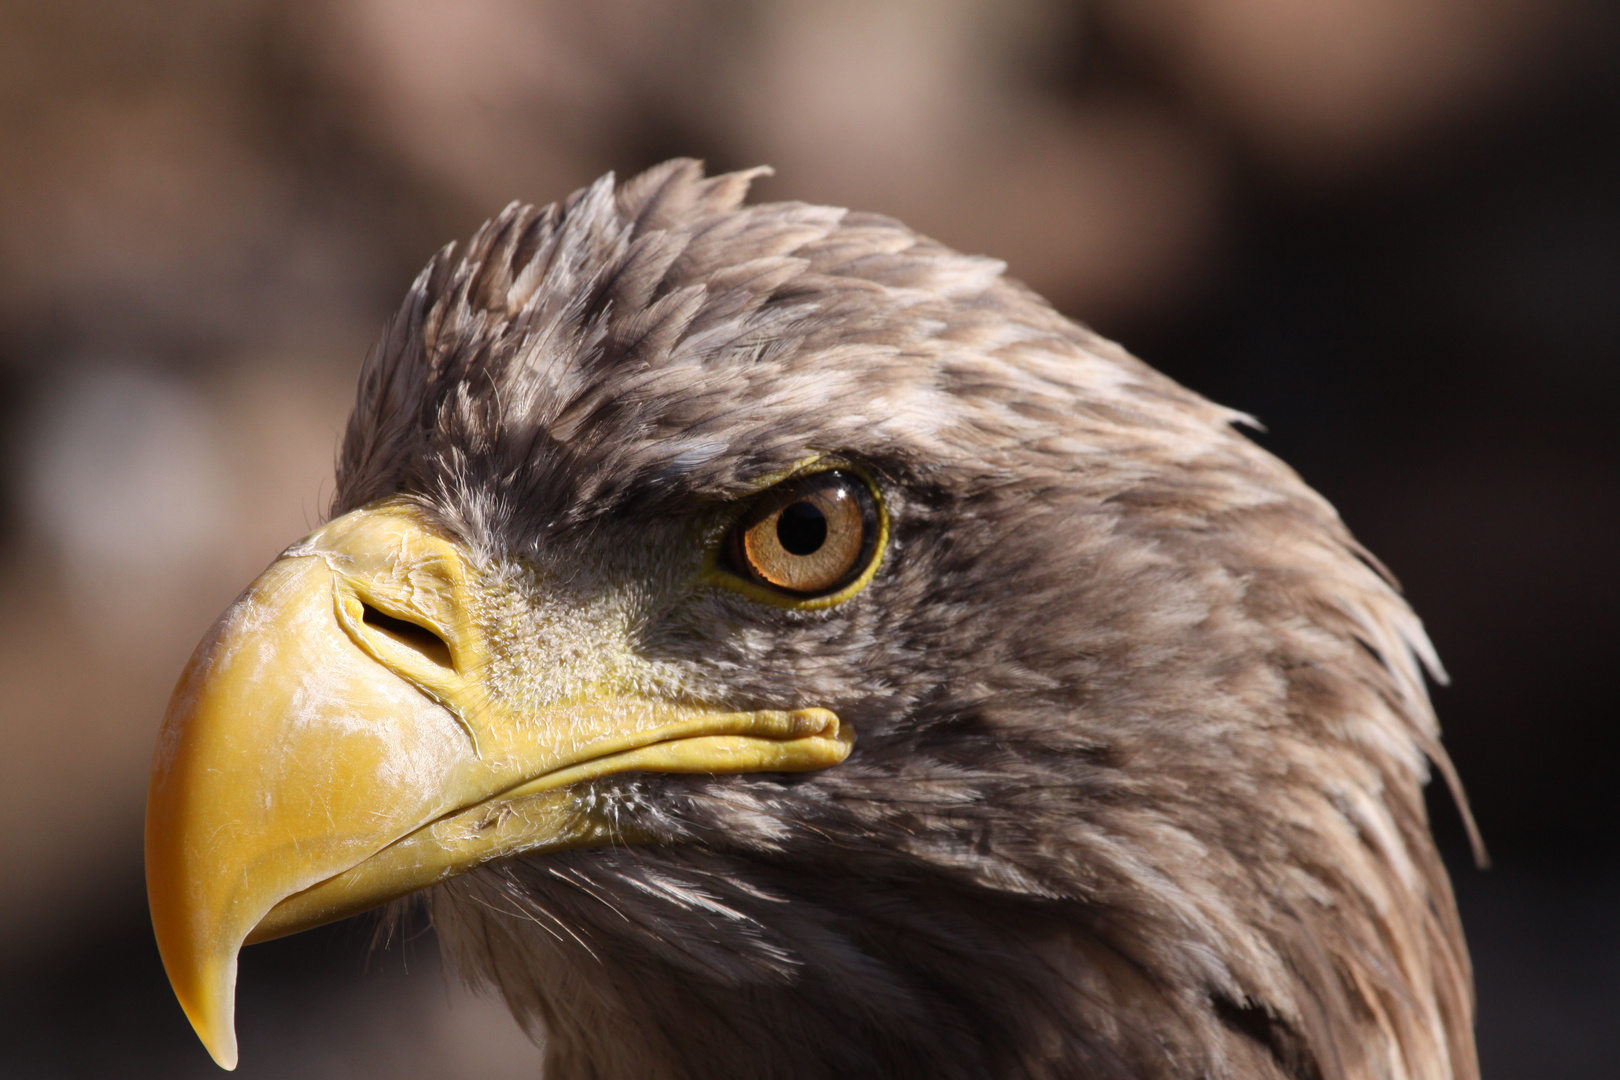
809,537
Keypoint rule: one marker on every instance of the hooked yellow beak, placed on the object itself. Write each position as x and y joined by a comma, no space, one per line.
331,745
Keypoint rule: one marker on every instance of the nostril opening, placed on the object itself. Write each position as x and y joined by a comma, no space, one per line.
409,634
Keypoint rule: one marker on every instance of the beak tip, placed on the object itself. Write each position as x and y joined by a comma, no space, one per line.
207,994
225,1056
218,1037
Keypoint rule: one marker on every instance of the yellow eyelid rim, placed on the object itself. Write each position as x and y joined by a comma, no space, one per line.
713,573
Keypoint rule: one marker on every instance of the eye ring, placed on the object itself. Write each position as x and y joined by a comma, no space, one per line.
810,541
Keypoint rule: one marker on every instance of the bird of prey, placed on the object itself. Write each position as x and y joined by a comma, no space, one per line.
782,646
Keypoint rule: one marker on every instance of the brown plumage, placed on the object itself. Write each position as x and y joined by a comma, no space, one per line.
1141,730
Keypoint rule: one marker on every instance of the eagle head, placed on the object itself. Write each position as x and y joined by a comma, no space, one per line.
781,646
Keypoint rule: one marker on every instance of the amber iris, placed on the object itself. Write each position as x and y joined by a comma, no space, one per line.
809,536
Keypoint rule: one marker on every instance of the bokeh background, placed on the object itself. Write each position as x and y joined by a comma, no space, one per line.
1388,228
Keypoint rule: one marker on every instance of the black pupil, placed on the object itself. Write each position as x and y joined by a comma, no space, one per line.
801,529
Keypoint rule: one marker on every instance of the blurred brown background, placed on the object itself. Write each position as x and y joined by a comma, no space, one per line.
1389,228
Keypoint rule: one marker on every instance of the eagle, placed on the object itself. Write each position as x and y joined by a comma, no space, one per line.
768,643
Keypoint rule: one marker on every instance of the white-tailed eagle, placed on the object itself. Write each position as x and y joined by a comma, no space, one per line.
781,646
